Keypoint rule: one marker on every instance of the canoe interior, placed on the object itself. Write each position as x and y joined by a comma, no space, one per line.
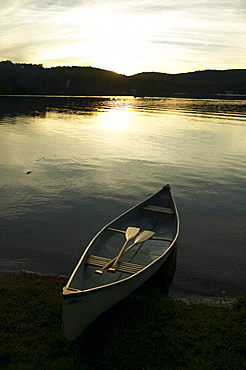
107,243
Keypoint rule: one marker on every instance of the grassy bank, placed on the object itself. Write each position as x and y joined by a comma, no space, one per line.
145,331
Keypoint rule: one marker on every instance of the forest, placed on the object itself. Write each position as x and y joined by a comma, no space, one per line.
34,79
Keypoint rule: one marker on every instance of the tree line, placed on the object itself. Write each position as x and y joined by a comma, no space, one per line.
34,79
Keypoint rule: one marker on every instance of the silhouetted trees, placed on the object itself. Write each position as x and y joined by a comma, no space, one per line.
34,79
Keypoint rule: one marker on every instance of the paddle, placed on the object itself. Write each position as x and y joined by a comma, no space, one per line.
145,235
130,233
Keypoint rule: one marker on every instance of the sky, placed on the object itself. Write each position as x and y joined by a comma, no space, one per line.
127,37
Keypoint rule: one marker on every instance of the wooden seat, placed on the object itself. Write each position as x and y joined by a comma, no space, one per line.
129,268
150,207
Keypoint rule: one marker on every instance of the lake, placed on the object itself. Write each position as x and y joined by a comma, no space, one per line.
69,165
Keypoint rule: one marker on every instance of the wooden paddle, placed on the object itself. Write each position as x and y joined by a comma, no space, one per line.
145,235
130,233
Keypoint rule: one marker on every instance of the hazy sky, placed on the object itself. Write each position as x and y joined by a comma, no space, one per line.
125,36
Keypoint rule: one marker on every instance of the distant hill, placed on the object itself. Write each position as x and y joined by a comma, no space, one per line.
34,79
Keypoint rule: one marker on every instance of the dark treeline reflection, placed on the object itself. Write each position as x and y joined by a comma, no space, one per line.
12,106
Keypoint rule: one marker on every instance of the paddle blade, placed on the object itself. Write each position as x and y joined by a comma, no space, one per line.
145,235
131,232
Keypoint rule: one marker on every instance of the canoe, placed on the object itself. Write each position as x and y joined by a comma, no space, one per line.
121,257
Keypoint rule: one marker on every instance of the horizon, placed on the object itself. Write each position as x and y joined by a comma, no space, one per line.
102,69
128,38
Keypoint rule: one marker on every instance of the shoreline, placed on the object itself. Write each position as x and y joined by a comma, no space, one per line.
174,333
24,277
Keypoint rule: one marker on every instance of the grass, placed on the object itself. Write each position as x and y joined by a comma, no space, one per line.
145,331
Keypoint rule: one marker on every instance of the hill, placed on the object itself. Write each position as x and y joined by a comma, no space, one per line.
34,79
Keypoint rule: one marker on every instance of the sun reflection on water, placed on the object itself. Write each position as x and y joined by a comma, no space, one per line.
113,119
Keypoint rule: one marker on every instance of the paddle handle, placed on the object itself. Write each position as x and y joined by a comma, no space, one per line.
119,256
113,266
110,263
113,261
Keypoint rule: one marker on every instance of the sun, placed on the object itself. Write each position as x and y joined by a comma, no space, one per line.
114,45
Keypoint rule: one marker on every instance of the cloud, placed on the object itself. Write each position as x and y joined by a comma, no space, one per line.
127,37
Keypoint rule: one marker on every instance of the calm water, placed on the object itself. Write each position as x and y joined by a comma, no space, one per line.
93,158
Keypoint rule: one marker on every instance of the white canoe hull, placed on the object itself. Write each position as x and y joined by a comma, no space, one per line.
83,304
83,308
